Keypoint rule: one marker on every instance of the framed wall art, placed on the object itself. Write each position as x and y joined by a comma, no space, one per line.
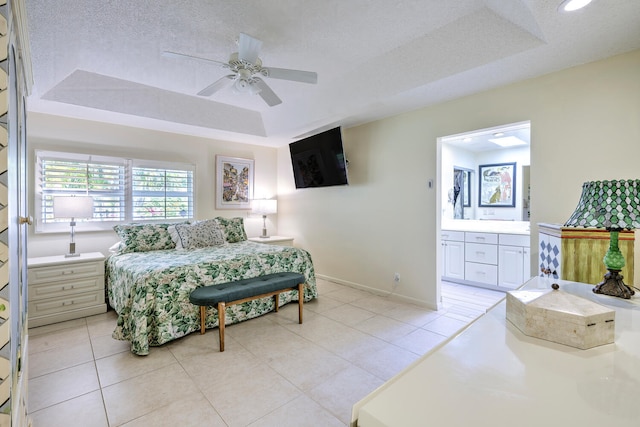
497,185
234,183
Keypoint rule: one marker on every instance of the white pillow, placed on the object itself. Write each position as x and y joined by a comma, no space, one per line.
115,248
174,236
198,235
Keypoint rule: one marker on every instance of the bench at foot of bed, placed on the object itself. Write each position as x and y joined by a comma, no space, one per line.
246,290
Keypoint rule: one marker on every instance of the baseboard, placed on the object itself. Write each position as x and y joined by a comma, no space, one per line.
391,295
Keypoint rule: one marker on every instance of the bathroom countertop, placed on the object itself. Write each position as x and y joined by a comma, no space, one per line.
487,226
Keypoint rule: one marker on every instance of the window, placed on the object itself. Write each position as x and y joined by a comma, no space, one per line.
123,190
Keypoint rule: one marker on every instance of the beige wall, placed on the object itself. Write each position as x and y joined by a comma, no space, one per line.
57,133
386,221
584,126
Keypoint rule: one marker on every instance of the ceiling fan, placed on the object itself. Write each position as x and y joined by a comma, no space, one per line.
247,72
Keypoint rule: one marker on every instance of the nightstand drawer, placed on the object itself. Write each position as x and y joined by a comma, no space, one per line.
64,304
52,273
65,288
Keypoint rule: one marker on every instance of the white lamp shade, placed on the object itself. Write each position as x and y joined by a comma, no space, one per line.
73,207
264,206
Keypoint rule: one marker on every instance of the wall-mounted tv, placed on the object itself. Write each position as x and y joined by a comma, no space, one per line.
319,161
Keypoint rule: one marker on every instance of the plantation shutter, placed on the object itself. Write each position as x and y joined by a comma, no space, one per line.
162,193
101,178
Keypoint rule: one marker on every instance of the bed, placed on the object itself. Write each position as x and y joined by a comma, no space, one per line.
149,280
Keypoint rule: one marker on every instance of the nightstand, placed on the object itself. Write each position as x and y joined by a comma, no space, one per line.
273,240
63,288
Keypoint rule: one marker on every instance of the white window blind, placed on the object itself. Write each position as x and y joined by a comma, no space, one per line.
162,193
103,181
123,190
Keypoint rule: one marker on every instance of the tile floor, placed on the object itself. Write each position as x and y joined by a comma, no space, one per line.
273,372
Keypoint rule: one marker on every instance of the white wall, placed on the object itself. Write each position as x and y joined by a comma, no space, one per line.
584,126
65,134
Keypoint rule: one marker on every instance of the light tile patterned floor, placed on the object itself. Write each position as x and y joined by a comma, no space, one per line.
273,372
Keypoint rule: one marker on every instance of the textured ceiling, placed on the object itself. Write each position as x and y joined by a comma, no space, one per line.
101,59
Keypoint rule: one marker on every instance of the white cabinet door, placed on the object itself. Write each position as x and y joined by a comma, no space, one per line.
453,260
510,266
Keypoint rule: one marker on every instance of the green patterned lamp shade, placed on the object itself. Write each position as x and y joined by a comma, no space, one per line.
608,204
612,205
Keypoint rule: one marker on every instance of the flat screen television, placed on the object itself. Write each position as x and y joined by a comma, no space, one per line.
319,161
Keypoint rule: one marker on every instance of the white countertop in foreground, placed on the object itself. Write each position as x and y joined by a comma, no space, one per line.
492,374
486,226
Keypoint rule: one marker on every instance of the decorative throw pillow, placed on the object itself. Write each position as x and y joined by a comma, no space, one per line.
233,229
174,236
144,237
199,235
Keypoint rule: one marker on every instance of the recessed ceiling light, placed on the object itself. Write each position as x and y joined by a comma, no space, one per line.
498,134
508,141
571,5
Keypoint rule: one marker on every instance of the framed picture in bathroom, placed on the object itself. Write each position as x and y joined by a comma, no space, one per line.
497,185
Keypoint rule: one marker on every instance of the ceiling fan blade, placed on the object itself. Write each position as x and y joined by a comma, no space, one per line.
249,48
169,54
294,75
217,85
267,94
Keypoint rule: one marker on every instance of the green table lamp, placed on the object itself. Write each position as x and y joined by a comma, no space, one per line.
612,205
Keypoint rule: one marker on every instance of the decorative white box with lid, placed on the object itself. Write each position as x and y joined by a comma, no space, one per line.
557,316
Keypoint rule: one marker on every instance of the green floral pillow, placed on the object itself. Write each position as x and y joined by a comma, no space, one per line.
200,234
144,237
233,229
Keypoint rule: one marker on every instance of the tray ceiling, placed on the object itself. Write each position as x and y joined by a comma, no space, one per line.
101,60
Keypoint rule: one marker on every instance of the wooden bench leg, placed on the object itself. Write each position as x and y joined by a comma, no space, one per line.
221,324
203,315
276,300
300,301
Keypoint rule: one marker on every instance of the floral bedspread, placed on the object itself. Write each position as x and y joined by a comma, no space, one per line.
150,290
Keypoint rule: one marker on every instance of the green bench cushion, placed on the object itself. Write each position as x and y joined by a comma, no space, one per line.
245,288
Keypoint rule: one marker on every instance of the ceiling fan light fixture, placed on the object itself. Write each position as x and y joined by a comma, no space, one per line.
572,5
245,86
253,89
246,68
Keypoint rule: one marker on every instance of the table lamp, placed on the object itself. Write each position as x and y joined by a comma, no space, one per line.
612,205
264,207
72,207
